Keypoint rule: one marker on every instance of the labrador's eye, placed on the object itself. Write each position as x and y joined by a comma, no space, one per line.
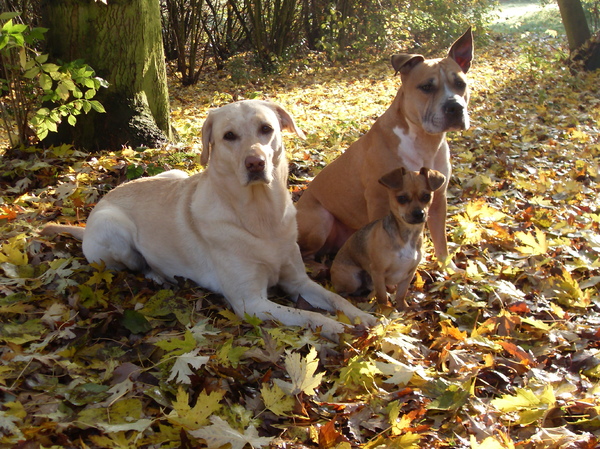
266,129
229,136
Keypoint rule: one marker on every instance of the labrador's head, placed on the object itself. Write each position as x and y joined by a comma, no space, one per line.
245,138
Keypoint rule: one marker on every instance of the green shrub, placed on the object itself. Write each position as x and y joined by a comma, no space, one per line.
36,94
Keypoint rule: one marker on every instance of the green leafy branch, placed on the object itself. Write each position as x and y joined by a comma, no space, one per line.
33,84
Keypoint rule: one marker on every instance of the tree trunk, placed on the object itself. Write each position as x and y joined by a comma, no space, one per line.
575,23
122,42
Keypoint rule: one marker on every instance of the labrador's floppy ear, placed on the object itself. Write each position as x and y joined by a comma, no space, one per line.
207,139
286,121
434,178
394,179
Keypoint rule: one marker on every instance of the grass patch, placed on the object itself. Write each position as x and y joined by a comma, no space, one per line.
521,16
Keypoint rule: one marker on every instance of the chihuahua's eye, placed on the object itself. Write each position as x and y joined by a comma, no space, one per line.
266,129
229,136
402,199
426,198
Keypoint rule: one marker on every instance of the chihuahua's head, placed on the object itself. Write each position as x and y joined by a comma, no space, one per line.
411,192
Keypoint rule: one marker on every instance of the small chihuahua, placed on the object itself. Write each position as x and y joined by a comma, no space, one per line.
386,252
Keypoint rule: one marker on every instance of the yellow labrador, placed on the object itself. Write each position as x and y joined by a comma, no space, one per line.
231,229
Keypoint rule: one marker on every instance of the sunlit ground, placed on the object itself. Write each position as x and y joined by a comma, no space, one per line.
513,17
527,16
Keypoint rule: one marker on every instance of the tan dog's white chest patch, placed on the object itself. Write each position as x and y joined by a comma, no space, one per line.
407,150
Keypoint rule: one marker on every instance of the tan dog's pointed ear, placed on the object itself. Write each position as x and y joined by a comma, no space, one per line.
286,121
207,139
462,50
404,62
434,178
393,180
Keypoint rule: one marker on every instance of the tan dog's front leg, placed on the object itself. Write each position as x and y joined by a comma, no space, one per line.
377,201
345,277
314,226
436,221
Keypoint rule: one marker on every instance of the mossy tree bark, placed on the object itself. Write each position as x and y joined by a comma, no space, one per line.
121,40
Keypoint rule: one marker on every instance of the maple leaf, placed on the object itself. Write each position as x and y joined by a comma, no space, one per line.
192,418
230,355
331,438
102,274
400,373
181,371
490,443
302,373
176,346
13,251
528,405
535,244
276,400
220,433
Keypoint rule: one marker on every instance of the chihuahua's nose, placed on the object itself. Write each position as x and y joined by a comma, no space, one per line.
255,164
418,215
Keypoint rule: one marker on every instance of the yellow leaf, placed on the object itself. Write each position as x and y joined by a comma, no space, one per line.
302,373
192,418
13,251
230,355
530,406
359,372
449,330
535,245
484,212
100,275
276,400
489,443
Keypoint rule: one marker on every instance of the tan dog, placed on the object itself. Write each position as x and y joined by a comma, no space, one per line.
231,229
388,250
346,194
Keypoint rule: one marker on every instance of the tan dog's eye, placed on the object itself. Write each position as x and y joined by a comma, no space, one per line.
427,88
426,198
266,129
460,84
229,136
402,199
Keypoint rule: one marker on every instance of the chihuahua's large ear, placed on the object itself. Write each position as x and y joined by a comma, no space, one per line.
462,50
404,62
394,179
434,178
286,120
207,139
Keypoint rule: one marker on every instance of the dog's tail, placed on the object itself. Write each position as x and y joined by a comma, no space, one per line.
54,229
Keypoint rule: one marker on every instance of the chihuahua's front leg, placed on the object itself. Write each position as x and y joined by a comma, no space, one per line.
380,288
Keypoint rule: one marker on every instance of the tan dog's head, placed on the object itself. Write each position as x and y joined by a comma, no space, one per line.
411,192
436,90
245,138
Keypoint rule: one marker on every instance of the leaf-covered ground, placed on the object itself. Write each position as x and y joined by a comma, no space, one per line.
503,354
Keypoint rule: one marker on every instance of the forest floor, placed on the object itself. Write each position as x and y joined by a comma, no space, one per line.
502,354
